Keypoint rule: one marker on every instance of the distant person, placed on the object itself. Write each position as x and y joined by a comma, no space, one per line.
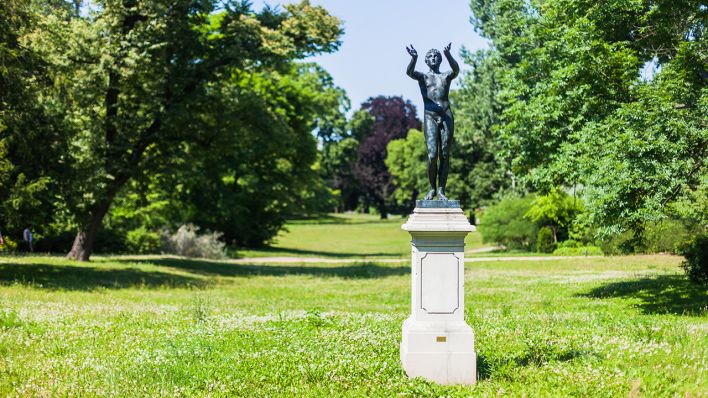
2,242
27,237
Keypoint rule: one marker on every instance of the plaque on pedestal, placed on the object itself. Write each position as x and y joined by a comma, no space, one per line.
437,344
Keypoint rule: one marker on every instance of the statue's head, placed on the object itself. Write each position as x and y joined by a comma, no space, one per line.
433,58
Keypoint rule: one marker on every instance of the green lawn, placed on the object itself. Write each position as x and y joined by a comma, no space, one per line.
125,326
345,236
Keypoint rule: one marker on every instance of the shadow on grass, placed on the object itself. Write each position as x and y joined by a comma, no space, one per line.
211,268
342,220
54,276
665,294
484,369
536,355
319,253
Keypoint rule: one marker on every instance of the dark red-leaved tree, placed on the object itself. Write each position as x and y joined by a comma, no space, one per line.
393,117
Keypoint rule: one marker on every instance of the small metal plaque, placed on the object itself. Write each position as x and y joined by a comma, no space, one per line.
441,339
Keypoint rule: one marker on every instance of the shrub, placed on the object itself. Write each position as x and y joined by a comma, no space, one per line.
665,236
188,243
544,240
578,251
695,250
142,240
9,246
505,224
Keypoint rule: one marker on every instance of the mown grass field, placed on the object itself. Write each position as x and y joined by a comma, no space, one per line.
345,236
161,326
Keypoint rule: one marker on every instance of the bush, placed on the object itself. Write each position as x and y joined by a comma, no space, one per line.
142,240
544,240
665,236
695,250
9,246
505,224
188,243
578,251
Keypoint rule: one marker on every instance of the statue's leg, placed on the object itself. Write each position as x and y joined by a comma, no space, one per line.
431,141
446,133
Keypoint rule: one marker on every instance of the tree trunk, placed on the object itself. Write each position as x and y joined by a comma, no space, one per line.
83,243
383,212
82,247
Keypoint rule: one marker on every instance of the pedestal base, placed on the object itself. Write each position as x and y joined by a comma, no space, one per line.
442,352
437,344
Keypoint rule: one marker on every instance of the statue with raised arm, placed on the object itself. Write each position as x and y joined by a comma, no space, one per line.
439,123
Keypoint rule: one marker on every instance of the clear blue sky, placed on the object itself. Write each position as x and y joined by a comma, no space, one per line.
372,59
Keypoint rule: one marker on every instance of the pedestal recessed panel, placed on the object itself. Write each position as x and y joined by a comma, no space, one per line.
439,283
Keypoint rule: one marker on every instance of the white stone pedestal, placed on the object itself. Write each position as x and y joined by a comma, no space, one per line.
437,343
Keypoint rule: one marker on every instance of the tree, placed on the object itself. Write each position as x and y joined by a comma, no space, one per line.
32,146
556,210
505,223
255,165
134,77
484,172
406,161
576,109
338,161
393,117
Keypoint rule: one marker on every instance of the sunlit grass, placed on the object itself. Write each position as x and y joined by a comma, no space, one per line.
345,236
135,326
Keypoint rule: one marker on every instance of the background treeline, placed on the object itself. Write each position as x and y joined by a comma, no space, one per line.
583,125
137,115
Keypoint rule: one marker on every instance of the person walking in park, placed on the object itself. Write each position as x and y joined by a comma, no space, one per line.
2,241
27,237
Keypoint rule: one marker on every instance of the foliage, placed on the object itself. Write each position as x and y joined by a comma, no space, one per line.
187,242
393,118
245,185
578,251
545,241
572,103
150,87
338,162
695,251
8,245
406,161
556,210
32,144
142,240
505,223
476,160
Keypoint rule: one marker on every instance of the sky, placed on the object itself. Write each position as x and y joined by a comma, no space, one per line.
372,59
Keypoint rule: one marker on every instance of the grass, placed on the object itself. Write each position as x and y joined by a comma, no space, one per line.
345,236
133,326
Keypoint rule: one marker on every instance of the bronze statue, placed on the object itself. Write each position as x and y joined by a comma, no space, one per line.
439,122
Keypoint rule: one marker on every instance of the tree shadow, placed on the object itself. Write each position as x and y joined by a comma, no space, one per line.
68,277
484,369
320,253
535,355
342,220
205,267
664,294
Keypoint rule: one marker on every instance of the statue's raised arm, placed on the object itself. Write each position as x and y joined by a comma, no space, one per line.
410,71
453,64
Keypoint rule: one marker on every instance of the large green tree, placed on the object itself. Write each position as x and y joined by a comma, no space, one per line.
136,78
576,108
32,142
